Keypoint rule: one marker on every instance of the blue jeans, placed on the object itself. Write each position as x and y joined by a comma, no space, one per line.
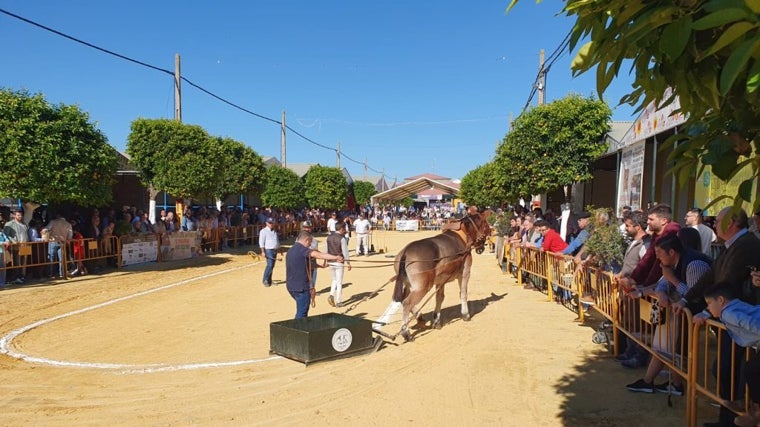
271,255
2,269
55,253
303,299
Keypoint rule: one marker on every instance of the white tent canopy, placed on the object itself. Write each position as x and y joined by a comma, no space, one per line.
411,188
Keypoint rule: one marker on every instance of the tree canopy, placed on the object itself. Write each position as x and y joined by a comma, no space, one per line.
707,52
363,191
326,188
552,145
243,170
482,187
52,153
283,188
186,162
711,45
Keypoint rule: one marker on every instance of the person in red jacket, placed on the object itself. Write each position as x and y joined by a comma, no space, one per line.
552,241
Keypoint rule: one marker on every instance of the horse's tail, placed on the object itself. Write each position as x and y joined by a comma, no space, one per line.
399,291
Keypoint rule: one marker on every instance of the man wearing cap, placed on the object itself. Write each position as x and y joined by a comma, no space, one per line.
269,242
583,220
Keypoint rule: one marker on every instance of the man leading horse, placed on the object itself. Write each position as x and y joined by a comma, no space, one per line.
435,261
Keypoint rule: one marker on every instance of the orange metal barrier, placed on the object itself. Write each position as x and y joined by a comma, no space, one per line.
533,262
686,350
512,254
562,278
33,259
705,380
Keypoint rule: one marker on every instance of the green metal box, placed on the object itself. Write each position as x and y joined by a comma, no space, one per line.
321,337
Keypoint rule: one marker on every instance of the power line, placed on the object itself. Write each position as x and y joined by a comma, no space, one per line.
171,73
546,67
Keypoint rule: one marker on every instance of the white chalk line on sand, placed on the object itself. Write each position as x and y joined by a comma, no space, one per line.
6,348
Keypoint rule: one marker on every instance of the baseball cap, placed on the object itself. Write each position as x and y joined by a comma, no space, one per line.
306,224
270,220
584,214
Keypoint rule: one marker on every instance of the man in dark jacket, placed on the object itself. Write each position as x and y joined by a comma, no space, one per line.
742,251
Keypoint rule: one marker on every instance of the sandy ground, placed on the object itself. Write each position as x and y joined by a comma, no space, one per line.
183,343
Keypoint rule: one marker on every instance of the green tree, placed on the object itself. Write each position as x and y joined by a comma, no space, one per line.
406,202
326,188
363,191
52,153
178,158
707,52
482,187
243,169
282,189
553,145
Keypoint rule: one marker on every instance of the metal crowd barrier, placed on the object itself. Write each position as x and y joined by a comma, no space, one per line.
533,263
706,342
687,350
33,261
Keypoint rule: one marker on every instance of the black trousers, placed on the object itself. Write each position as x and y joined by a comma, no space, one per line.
752,377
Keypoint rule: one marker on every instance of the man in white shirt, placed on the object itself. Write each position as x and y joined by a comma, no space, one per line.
362,228
331,222
706,234
269,242
337,244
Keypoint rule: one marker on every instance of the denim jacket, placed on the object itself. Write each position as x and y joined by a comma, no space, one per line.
743,322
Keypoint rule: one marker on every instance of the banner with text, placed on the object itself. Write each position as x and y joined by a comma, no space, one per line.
182,245
407,225
139,252
630,180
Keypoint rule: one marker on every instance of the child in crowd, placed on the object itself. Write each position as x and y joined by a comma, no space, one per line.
78,251
742,321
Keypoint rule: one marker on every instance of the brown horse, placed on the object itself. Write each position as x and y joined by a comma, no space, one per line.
437,260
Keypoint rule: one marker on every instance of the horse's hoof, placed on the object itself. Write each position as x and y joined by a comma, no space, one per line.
466,317
437,325
407,336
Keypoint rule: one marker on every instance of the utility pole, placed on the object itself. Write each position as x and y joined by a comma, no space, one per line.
177,89
337,153
541,199
365,168
511,121
283,140
179,204
541,78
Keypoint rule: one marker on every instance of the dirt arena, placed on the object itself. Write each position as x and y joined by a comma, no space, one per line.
187,343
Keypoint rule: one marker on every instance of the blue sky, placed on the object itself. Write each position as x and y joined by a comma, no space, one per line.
409,86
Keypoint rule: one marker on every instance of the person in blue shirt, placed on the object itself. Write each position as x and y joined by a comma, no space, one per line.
742,322
298,272
584,218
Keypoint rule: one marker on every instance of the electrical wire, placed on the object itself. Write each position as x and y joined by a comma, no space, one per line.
191,83
550,60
